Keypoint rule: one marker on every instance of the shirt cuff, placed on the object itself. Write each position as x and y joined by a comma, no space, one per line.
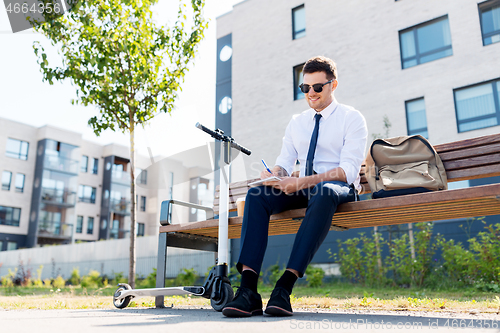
351,173
289,169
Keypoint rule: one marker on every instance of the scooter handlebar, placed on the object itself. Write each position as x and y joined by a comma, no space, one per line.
219,136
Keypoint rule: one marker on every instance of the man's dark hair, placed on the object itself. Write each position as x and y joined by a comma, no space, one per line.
321,64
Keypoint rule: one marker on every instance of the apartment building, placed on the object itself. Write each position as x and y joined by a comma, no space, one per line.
58,188
429,67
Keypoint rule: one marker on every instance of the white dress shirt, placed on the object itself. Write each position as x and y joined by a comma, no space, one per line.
341,141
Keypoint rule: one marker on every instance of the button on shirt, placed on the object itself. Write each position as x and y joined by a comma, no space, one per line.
341,141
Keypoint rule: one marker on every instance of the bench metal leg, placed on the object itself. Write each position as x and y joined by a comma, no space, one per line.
161,268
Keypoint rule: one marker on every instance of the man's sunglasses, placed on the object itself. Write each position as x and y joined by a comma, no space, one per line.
318,87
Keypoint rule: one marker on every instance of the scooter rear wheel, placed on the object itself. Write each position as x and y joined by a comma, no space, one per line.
227,295
120,304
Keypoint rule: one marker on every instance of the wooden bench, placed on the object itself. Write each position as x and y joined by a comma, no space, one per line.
463,160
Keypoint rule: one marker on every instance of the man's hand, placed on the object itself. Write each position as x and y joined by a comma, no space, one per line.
265,174
276,171
287,184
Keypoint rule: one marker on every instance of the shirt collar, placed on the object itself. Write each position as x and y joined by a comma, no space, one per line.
326,112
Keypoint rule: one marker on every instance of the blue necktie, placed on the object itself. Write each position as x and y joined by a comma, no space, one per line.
312,146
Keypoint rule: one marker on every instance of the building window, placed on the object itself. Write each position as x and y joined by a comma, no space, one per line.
86,194
140,229
297,81
478,106
416,121
1,246
95,165
11,246
489,15
299,22
10,216
17,149
143,203
79,224
90,225
142,176
20,182
6,180
84,163
425,42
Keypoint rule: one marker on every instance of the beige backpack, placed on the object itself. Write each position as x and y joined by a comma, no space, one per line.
404,165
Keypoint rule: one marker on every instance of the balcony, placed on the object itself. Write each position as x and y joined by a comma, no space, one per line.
118,233
121,207
60,164
58,197
120,177
54,229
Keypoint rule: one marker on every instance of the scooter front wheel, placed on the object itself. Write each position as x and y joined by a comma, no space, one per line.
227,295
123,303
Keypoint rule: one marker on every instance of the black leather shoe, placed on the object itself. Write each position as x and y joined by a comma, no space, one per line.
246,303
279,303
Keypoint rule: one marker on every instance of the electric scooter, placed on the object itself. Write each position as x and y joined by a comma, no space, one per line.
217,286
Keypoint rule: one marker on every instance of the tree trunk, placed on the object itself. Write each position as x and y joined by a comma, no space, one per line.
377,247
412,249
133,237
412,245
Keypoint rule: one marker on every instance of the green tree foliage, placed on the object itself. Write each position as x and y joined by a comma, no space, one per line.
124,64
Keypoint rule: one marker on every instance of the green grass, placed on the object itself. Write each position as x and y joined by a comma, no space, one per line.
69,290
345,290
337,290
332,296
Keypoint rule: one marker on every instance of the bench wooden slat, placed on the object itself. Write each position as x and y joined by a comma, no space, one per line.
233,192
471,162
468,143
434,206
475,173
470,152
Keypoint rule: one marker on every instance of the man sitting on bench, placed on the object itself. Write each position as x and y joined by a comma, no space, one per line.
329,140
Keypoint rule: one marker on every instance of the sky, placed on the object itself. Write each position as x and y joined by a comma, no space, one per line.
25,98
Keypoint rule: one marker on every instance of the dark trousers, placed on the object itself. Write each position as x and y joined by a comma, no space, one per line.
261,202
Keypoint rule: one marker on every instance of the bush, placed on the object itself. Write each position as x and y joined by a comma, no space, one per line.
274,273
75,279
38,281
234,275
7,279
359,259
118,278
22,276
314,276
58,282
92,280
149,281
186,278
479,265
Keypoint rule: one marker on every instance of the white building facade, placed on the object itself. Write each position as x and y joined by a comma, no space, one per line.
431,67
58,188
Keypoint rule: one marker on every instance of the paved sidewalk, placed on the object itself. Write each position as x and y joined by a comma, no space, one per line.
207,320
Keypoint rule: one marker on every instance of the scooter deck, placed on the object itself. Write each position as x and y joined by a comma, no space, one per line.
171,291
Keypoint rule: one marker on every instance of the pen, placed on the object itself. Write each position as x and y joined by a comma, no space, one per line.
266,166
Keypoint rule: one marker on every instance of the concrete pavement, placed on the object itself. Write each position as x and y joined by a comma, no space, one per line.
206,320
